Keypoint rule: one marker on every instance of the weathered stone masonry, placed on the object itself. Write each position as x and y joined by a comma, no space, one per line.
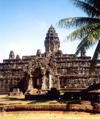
51,69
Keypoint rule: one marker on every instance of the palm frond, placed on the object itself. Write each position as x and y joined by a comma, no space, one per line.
82,32
87,8
85,44
91,38
76,22
94,59
94,3
88,41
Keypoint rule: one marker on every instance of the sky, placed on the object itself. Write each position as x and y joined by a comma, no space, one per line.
24,24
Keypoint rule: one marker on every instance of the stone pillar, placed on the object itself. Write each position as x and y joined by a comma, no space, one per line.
44,83
58,82
50,81
30,85
33,82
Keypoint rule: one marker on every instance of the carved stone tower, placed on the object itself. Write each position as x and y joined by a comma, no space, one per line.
52,42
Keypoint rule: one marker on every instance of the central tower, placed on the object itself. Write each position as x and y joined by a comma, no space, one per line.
52,42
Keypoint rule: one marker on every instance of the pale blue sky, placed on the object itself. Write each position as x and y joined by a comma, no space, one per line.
24,24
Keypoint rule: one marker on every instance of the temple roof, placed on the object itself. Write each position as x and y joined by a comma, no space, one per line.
52,35
51,32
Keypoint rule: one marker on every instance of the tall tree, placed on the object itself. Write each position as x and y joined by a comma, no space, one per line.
87,28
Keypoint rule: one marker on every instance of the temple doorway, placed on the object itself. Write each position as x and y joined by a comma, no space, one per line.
37,77
36,83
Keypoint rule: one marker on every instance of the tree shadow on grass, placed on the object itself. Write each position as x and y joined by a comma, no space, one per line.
39,102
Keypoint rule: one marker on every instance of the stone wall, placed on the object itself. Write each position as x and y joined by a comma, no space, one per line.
7,84
73,71
73,64
11,73
65,73
74,68
82,82
55,82
75,74
23,84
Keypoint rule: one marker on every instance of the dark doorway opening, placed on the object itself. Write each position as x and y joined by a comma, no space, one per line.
36,83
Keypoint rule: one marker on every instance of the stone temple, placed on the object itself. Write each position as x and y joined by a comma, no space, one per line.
51,69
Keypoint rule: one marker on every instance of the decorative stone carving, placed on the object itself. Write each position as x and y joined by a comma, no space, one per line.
59,53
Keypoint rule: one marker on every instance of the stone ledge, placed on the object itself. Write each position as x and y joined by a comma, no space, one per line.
63,107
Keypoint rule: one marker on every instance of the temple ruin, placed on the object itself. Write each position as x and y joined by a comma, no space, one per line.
51,69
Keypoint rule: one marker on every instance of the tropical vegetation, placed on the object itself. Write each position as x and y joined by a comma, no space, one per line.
87,28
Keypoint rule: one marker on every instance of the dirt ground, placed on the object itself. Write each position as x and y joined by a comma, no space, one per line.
48,115
6,100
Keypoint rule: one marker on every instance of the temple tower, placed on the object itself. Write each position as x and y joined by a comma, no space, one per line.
11,55
38,54
83,53
17,56
52,42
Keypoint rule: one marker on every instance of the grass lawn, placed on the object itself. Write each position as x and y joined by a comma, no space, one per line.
50,116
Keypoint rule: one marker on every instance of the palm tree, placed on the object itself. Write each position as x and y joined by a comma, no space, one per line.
87,28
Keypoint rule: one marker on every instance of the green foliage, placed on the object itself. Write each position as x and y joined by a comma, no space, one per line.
87,28
88,8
